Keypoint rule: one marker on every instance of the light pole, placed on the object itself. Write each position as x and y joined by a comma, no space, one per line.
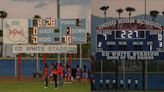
3,15
104,8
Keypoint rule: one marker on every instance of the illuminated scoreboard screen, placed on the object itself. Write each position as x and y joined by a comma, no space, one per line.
73,31
135,43
44,31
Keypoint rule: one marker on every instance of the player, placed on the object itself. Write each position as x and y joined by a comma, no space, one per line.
101,85
60,75
78,73
51,71
129,83
85,73
114,84
55,73
92,84
136,84
46,75
121,84
67,73
107,85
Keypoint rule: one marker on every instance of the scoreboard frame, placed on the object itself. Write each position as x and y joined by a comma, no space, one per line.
151,29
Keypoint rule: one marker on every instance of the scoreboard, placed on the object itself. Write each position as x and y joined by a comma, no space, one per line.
44,31
129,41
73,31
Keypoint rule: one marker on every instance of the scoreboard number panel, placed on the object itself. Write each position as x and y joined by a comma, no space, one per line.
130,34
129,43
44,31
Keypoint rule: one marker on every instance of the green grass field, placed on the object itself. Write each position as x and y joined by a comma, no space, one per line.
38,86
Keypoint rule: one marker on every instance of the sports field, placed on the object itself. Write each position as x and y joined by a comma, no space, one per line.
38,86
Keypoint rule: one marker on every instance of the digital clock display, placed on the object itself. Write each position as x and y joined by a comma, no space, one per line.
130,34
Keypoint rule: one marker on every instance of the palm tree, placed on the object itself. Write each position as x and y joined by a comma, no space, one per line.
104,8
154,14
130,10
163,13
3,15
37,17
119,11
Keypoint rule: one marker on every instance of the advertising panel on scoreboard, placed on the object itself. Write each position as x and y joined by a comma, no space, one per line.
73,31
15,31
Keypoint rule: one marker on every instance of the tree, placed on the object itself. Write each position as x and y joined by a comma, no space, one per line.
119,11
37,17
104,8
130,10
154,14
163,13
3,15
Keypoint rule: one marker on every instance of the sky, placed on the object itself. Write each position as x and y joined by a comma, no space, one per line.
115,4
45,8
25,9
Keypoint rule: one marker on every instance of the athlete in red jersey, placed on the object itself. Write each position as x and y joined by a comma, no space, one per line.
55,73
46,75
60,75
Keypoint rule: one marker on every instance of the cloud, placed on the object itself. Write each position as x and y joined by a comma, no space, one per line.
38,3
75,2
44,3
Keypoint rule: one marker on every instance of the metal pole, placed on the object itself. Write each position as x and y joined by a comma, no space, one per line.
101,70
124,72
58,17
145,9
143,75
58,58
15,64
37,63
65,58
80,56
58,9
116,70
19,66
105,15
2,39
145,63
146,75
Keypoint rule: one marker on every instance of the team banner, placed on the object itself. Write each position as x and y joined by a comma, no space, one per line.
44,49
15,31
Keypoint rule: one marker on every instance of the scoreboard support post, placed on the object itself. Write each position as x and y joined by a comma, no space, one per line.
15,65
101,69
44,59
37,63
81,56
144,75
116,73
19,66
124,72
70,63
146,72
